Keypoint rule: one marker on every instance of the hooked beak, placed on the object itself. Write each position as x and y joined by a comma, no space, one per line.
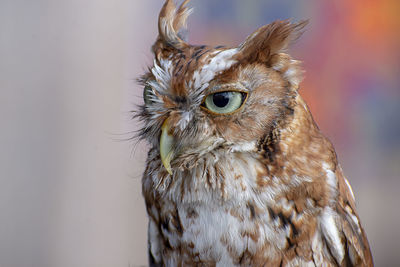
166,146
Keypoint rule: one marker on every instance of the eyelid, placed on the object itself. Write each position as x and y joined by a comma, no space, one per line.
233,87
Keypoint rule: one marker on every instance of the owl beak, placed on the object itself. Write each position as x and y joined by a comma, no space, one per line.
166,146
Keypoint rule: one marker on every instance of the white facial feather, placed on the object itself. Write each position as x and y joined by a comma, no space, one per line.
220,61
162,73
186,117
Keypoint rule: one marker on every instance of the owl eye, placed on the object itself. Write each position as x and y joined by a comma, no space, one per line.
225,102
147,94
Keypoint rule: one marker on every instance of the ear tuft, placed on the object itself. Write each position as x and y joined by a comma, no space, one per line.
269,40
171,23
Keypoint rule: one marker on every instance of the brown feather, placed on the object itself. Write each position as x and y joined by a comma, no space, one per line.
259,186
171,22
269,40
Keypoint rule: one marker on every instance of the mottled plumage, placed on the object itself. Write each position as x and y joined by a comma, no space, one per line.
238,173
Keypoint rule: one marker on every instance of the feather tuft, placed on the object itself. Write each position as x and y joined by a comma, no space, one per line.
269,40
171,25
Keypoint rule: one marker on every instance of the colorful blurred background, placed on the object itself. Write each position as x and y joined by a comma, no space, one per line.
70,192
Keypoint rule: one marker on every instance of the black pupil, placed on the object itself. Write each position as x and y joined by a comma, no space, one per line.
221,99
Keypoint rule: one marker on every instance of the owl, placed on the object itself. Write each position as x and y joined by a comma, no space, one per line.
238,173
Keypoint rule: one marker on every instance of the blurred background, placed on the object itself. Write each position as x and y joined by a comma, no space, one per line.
70,179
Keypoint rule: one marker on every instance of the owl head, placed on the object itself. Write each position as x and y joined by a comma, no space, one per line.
202,99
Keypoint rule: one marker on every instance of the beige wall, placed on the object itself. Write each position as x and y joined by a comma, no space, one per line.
70,192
